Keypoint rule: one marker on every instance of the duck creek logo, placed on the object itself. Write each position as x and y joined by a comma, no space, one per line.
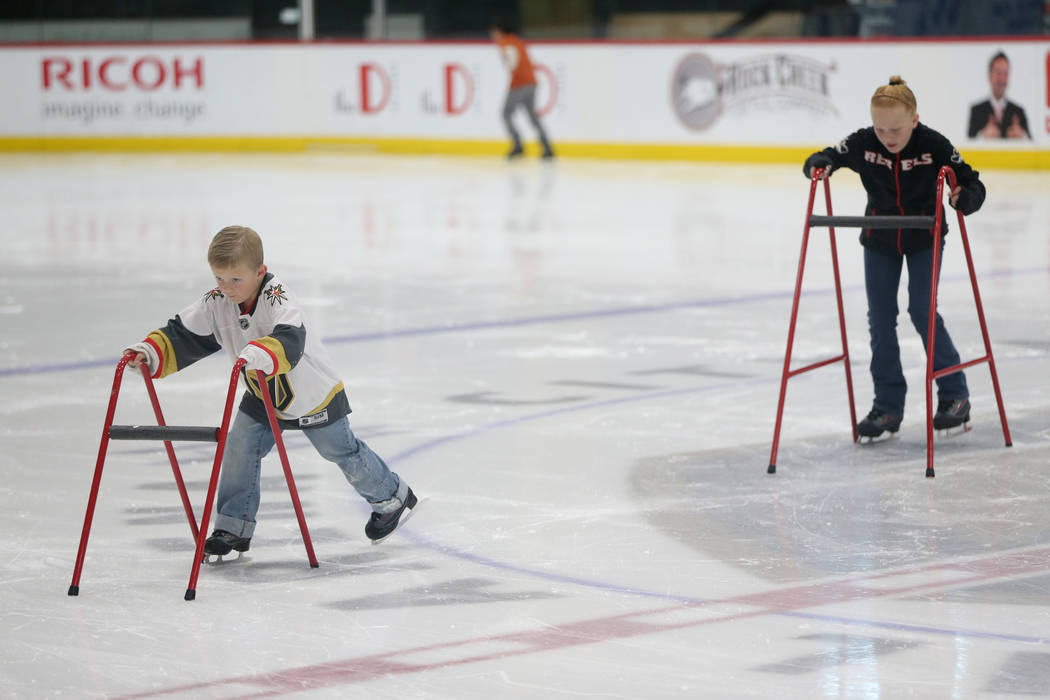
696,91
702,90
275,294
213,294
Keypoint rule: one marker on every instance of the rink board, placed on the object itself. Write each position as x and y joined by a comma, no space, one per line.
738,101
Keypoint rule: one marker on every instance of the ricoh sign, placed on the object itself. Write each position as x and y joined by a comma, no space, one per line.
121,72
95,89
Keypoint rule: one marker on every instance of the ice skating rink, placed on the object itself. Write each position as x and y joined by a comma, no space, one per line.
578,365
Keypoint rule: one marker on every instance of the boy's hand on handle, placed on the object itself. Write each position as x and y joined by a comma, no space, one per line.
256,358
953,196
143,352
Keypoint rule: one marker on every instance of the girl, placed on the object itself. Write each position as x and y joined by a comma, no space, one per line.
898,160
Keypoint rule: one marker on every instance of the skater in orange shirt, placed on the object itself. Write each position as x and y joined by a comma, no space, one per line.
522,90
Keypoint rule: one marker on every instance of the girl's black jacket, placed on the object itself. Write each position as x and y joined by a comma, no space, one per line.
902,184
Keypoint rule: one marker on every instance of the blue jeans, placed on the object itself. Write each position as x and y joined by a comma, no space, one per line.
249,441
882,275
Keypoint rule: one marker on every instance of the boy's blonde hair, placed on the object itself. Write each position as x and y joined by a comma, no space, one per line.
235,246
897,92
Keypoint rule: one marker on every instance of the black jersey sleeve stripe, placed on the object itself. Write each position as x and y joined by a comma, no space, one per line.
181,347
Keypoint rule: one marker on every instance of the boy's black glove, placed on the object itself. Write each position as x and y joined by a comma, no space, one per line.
815,161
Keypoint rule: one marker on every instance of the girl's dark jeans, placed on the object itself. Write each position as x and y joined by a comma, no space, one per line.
882,275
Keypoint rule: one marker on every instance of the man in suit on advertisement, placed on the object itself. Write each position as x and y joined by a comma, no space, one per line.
997,117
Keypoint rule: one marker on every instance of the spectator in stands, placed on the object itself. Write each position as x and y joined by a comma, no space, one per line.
998,117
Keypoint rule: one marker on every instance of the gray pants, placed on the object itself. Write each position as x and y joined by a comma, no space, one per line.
524,97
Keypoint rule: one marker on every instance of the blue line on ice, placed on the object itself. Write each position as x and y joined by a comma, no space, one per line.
533,320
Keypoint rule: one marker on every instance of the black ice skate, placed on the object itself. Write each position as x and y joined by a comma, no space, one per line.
222,542
382,525
877,422
515,152
951,414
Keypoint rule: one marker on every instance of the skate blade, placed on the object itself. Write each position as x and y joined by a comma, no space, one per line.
217,559
405,517
953,432
885,437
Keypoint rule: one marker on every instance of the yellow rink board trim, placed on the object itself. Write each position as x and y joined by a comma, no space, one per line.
1009,159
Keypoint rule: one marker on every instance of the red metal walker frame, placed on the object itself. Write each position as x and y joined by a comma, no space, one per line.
921,222
167,433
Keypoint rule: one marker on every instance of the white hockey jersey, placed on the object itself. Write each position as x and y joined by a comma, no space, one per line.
306,390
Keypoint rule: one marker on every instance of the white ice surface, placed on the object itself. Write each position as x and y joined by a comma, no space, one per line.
578,366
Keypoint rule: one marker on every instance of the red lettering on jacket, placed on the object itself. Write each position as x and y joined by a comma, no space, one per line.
878,159
909,163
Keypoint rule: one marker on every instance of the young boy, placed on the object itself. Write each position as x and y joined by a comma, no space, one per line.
256,318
